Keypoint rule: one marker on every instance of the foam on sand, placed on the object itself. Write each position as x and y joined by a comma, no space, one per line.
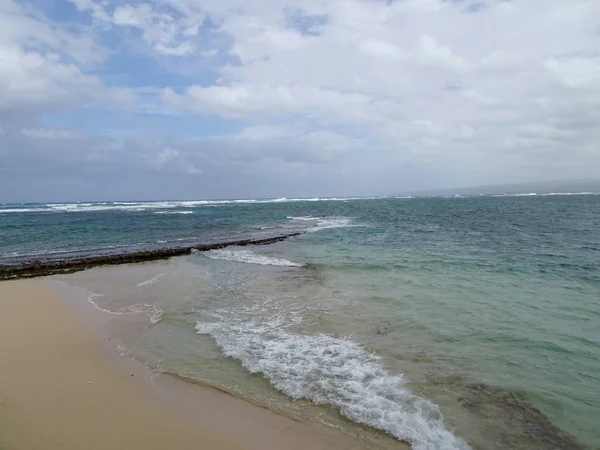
330,371
151,281
154,312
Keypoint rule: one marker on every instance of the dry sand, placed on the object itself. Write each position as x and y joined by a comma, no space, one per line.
60,390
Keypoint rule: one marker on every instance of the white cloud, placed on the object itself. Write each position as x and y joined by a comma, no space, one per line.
43,64
46,133
469,90
431,53
576,73
267,101
501,60
166,154
380,49
167,35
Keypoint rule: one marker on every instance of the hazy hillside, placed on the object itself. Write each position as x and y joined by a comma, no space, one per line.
522,188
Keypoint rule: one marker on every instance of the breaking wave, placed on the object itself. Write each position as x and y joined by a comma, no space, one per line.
248,257
330,371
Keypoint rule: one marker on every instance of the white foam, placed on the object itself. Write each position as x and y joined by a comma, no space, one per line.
154,312
142,206
98,307
248,257
332,371
174,212
151,281
123,350
21,210
302,218
569,193
156,316
332,222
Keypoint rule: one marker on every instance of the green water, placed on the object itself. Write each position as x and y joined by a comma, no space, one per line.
449,323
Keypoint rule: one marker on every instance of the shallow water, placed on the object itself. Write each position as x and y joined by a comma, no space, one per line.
443,322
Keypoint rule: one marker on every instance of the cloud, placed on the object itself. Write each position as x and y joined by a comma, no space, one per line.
168,35
577,72
341,96
44,133
430,53
43,64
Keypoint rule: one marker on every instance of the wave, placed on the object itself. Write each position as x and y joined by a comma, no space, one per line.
330,371
549,194
19,210
142,206
571,193
154,312
302,218
61,251
321,223
166,205
332,222
151,281
174,212
248,257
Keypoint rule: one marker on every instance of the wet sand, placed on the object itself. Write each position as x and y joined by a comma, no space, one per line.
60,389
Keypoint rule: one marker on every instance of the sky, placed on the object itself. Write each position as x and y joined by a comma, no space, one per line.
192,99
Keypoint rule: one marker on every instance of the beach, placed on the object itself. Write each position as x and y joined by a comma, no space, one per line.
61,389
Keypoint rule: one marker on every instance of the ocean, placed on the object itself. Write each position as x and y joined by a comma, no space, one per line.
447,323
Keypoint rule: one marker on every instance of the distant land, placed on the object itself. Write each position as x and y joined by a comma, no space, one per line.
549,187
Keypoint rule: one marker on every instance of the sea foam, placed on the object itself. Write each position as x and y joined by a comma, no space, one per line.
330,371
324,223
151,281
303,218
154,312
248,257
332,222
162,205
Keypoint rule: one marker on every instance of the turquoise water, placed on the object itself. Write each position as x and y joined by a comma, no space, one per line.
445,322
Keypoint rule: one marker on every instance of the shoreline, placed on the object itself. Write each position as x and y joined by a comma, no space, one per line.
65,386
40,267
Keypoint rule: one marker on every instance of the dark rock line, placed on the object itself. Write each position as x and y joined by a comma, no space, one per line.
37,268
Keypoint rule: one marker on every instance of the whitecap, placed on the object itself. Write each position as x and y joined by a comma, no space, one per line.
149,205
21,210
332,222
569,193
302,218
248,257
330,371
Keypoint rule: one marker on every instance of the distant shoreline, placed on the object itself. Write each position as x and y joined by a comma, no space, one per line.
51,265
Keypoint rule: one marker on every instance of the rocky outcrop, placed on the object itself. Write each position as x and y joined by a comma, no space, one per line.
39,268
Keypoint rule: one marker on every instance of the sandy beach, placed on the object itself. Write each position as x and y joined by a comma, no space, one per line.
60,390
